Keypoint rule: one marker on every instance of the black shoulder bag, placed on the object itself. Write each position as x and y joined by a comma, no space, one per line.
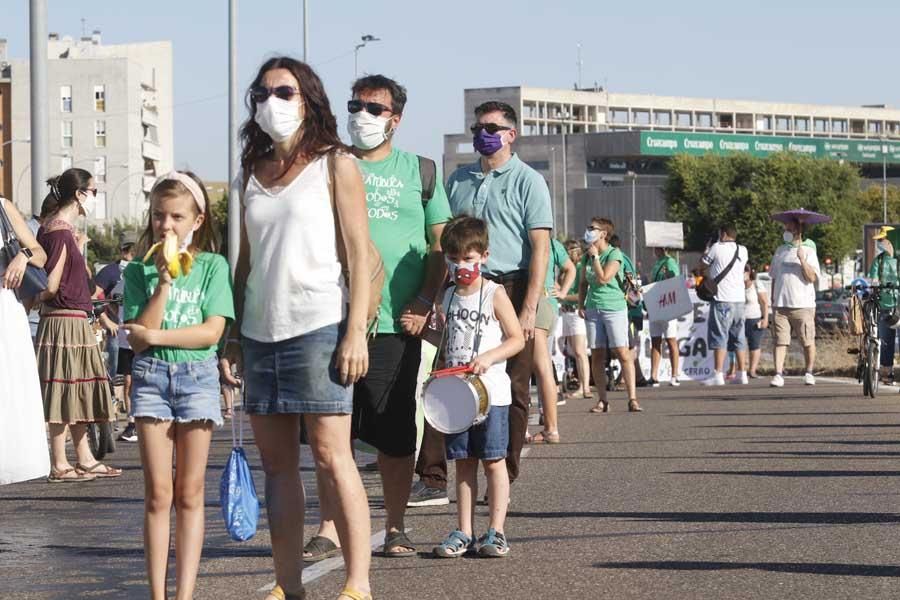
34,281
709,287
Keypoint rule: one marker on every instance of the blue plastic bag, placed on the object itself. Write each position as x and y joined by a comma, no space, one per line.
237,492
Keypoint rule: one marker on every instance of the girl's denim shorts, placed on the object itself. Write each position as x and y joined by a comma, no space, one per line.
295,376
182,392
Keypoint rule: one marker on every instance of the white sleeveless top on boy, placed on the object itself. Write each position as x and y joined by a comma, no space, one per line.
295,284
462,316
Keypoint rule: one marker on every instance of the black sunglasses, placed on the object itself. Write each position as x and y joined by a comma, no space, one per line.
491,128
93,191
373,108
259,93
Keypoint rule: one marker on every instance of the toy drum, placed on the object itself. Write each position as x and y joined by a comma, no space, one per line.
455,399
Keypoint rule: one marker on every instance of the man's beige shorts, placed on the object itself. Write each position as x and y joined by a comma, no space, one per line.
801,320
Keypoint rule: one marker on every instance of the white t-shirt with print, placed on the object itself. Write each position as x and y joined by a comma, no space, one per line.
789,288
462,316
731,287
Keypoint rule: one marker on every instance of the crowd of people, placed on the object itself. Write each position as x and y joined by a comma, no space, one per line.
472,266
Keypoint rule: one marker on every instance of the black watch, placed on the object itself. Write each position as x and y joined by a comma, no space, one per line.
27,252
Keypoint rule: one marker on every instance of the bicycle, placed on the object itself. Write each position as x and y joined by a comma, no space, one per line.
101,436
869,349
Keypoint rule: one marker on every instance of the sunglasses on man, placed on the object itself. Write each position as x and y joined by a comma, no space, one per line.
373,108
491,128
260,94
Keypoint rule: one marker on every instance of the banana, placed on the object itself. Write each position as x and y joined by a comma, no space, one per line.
177,262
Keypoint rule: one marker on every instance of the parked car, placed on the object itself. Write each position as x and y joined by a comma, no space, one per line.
832,310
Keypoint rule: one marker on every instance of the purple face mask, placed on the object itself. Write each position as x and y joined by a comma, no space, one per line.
486,143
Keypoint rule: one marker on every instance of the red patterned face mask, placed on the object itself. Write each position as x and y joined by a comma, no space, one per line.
464,273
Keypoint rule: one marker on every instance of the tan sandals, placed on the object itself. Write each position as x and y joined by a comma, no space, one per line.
61,476
107,472
545,437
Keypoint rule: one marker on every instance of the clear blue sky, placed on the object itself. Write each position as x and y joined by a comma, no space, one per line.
826,52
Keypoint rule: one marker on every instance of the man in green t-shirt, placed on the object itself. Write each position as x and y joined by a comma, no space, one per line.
602,302
884,269
666,267
407,211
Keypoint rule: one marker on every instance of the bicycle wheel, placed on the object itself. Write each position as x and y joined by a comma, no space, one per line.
99,439
872,370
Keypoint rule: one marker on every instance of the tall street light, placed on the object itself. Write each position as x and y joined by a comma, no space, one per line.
633,177
884,153
365,40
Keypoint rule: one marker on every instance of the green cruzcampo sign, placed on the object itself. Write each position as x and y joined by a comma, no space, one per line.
665,143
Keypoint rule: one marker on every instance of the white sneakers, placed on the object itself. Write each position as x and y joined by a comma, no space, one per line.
740,378
777,381
809,379
675,382
717,379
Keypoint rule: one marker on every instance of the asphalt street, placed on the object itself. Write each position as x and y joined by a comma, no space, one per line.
721,493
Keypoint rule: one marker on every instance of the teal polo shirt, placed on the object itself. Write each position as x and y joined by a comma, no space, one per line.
512,200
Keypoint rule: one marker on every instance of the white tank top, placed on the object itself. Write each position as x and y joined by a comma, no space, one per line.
463,315
295,284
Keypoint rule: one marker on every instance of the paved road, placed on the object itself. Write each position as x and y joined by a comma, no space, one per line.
734,492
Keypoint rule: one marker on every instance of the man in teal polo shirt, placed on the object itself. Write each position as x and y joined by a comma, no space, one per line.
514,200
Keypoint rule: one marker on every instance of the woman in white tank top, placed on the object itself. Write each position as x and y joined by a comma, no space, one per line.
299,336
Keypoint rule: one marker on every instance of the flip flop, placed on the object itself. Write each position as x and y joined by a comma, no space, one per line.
602,407
60,476
107,472
354,595
279,594
546,437
320,548
397,539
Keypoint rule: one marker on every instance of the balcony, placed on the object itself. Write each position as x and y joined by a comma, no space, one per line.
149,116
147,183
151,150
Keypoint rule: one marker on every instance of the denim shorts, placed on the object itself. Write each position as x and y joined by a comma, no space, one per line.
726,326
296,376
182,392
754,334
606,328
486,441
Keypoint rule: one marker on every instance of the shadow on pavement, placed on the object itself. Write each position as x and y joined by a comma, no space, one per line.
816,518
797,568
817,453
831,473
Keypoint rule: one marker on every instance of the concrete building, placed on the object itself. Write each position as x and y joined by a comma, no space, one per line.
605,154
110,113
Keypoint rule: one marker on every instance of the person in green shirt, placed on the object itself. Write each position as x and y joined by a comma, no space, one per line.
573,328
884,269
408,209
666,267
602,304
560,275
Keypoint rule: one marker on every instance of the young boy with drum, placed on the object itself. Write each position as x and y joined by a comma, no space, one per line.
481,330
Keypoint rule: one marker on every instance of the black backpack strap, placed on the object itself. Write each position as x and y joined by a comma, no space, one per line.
428,175
725,271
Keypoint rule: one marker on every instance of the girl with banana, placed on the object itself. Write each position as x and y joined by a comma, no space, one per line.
177,303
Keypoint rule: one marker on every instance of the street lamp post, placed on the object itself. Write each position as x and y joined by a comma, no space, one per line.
884,153
365,40
633,176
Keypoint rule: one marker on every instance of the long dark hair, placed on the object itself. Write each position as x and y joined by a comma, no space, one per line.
318,133
63,188
205,239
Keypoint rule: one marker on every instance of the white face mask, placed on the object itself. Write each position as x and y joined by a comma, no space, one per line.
590,236
882,247
89,205
280,119
788,237
368,131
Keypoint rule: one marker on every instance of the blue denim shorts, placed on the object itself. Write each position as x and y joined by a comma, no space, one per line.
180,392
606,328
726,326
488,440
296,376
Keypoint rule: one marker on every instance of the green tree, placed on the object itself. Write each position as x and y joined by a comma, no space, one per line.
871,202
706,191
105,241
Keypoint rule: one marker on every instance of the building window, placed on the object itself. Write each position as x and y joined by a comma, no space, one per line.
100,210
619,115
684,119
857,126
100,98
801,124
744,120
704,120
663,118
100,169
783,123
641,117
65,98
839,125
763,123
893,128
65,163
820,125
67,134
100,134
874,127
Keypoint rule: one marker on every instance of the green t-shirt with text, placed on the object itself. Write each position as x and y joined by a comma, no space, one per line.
398,224
884,268
558,258
608,296
193,298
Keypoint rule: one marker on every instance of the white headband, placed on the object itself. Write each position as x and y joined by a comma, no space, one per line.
188,182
